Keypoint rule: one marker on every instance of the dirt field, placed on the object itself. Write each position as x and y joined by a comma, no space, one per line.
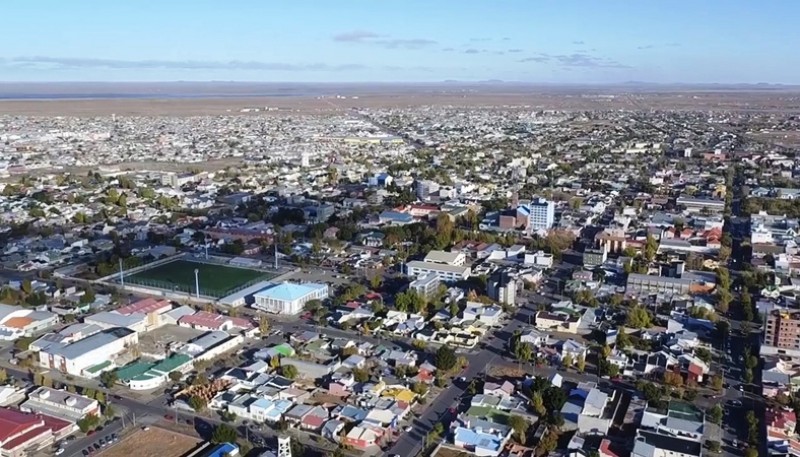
155,442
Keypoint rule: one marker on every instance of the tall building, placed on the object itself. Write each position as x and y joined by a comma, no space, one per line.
542,215
502,288
426,188
783,329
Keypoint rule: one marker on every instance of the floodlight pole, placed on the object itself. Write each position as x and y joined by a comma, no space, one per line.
197,281
121,275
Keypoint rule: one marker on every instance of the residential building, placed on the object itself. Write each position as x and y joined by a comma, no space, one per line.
557,321
16,322
426,286
288,298
641,283
594,257
502,288
782,329
489,315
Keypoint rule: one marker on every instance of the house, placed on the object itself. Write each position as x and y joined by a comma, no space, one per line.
572,349
361,438
480,436
557,321
489,315
506,389
534,337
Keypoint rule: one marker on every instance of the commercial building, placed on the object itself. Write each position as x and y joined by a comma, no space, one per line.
445,272
425,286
150,375
541,214
23,434
16,322
60,404
699,204
289,298
639,283
455,259
782,329
210,345
79,357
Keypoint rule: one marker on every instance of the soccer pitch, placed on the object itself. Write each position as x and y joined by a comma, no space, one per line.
215,280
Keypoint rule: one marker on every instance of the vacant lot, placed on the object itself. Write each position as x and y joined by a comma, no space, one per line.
215,280
155,442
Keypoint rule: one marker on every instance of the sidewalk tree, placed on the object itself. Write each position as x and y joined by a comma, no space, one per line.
109,378
446,358
289,371
715,414
224,433
175,376
197,403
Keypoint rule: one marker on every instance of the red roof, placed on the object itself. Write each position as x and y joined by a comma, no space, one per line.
605,449
145,306
26,437
14,422
313,421
696,370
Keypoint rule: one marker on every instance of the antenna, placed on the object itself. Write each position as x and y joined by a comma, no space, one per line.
121,275
276,251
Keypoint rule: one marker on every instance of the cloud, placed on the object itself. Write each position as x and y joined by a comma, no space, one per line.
655,46
372,38
480,40
355,36
471,51
448,49
118,64
575,60
514,50
505,38
578,42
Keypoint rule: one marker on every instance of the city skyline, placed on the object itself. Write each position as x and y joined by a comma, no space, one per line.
581,42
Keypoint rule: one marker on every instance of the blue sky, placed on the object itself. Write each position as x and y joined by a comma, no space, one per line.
599,41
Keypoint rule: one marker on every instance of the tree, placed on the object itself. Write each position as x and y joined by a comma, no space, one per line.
715,413
537,402
3,376
197,403
263,324
752,427
419,345
724,253
109,412
289,371
724,298
638,317
717,382
360,375
703,354
100,397
108,378
713,445
88,296
673,379
524,352
175,376
89,422
200,379
566,361
650,248
605,351
446,358
581,363
751,452
224,433
520,427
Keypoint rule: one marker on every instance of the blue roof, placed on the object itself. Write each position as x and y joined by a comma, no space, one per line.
477,439
397,216
288,291
221,449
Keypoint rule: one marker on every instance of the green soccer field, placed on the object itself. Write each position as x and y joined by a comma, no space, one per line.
215,280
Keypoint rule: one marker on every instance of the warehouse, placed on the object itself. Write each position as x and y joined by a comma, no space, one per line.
77,358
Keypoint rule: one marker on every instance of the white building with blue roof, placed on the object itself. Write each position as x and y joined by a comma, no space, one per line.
288,298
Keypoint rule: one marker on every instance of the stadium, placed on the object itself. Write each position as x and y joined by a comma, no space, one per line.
218,277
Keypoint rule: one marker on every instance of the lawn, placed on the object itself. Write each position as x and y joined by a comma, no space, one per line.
215,280
155,442
495,415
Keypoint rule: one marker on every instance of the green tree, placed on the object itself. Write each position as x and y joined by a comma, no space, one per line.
263,324
224,433
638,317
89,422
538,404
715,413
717,382
581,363
197,403
566,361
289,371
751,452
650,248
175,376
446,358
108,378
520,427
109,412
360,375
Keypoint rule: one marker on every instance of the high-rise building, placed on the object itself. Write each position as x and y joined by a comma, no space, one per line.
502,288
783,329
542,215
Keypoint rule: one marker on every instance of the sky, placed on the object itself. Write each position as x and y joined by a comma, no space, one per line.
592,41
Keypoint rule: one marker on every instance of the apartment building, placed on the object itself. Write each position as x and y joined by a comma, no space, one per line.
782,329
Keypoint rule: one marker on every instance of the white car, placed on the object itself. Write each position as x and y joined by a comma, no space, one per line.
407,428
60,451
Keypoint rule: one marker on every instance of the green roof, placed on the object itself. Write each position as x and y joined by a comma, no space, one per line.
494,415
99,367
133,370
683,410
171,363
284,350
